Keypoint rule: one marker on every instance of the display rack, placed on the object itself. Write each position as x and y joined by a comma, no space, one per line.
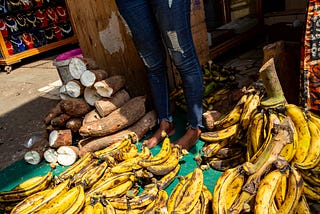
30,27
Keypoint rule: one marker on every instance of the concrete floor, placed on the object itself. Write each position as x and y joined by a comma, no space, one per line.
26,96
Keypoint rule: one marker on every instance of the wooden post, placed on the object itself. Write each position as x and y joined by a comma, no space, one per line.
103,37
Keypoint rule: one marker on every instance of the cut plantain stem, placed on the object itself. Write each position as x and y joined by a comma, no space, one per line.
271,82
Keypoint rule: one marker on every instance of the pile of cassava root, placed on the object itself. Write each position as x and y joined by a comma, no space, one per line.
95,111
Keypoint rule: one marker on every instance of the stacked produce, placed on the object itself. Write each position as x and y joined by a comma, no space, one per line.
219,83
277,169
95,111
116,179
268,150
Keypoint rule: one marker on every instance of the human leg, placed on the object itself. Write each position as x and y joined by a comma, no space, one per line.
139,16
174,22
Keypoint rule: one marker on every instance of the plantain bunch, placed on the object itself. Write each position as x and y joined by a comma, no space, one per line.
190,195
218,83
225,144
249,134
116,179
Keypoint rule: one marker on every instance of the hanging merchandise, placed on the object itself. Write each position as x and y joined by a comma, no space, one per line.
66,30
31,19
39,38
21,20
62,13
9,47
13,5
17,43
12,24
27,40
49,35
26,4
310,59
52,15
3,28
37,3
42,19
3,7
57,32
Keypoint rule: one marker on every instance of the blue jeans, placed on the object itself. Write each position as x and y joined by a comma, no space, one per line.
158,25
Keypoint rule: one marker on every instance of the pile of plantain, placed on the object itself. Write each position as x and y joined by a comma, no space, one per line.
269,152
218,83
116,179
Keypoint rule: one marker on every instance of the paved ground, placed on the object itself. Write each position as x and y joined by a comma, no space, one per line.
26,95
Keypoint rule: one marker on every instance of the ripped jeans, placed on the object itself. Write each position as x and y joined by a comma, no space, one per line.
157,25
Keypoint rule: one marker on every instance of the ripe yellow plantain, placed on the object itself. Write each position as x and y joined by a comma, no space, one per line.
281,192
131,164
266,191
167,166
77,206
160,203
166,180
227,188
228,152
19,194
242,203
303,206
232,117
111,182
192,192
249,107
92,177
142,200
77,166
35,201
294,192
214,136
107,174
255,133
176,192
160,157
224,164
88,209
313,156
299,120
210,149
65,202
98,208
117,191
311,192
205,200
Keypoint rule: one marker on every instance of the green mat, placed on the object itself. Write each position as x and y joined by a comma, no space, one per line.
21,171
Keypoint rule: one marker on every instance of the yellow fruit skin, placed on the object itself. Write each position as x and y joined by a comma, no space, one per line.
266,191
64,202
299,120
166,180
215,136
192,192
294,192
222,200
167,166
313,156
159,158
146,197
34,203
19,194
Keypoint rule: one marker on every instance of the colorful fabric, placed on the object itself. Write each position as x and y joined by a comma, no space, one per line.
310,58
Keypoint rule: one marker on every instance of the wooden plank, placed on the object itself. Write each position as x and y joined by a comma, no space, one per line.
103,37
